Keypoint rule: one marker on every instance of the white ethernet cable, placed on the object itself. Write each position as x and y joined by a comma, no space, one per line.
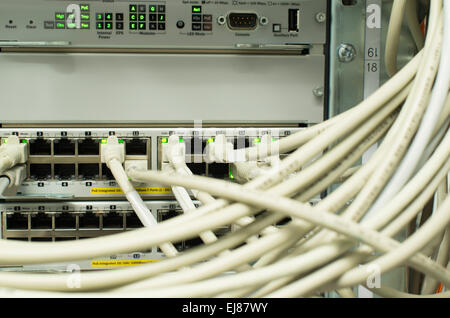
12,152
11,179
113,154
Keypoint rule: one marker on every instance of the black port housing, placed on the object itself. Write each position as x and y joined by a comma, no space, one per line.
133,221
219,170
69,238
88,171
294,20
63,147
197,168
136,147
241,142
113,220
64,171
106,173
18,239
197,146
242,21
88,147
284,221
40,147
166,215
41,239
89,220
41,221
193,242
65,221
17,221
40,171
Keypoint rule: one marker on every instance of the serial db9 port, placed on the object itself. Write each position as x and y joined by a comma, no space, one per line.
242,21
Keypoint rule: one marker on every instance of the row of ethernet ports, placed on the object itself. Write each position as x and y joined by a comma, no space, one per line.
82,147
97,171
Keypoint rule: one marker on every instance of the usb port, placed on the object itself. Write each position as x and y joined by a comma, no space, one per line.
294,20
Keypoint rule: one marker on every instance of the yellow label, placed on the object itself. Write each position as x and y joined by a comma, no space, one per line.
145,190
132,262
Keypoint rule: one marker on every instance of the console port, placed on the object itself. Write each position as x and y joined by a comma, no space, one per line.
193,243
294,20
219,170
41,221
88,147
17,221
113,220
136,147
167,214
89,220
242,21
40,147
40,171
41,239
65,221
197,168
133,221
88,171
106,173
63,147
64,171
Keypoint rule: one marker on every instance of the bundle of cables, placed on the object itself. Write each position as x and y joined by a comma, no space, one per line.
333,245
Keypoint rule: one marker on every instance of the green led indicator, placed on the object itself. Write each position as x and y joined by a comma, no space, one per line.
181,140
256,141
231,176
5,141
196,9
60,16
84,7
164,140
152,8
108,26
210,140
121,141
133,8
23,141
104,141
85,25
273,139
85,17
60,25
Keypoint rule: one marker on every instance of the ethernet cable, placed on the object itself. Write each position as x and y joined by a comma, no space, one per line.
12,152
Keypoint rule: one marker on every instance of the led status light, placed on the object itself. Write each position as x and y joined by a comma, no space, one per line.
196,9
210,140
231,176
104,141
256,141
164,140
121,141
152,8
181,140
84,7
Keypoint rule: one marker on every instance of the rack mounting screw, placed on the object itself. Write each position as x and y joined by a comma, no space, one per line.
346,53
321,17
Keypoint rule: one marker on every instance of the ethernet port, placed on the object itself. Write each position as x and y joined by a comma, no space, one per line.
24,239
88,171
179,247
64,147
241,142
41,221
88,147
40,171
219,170
113,220
41,239
61,239
193,243
197,168
64,171
106,173
65,221
197,146
89,220
166,215
133,221
40,147
17,221
136,147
